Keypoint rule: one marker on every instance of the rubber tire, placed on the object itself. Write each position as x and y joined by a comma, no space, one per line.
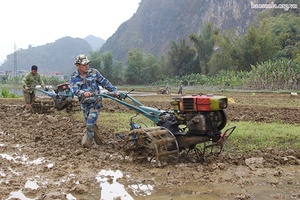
224,120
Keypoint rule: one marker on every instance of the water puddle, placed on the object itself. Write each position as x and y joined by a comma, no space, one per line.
111,189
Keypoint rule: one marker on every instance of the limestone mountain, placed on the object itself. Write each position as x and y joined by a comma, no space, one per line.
158,22
95,42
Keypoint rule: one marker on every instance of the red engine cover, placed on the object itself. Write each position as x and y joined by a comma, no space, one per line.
195,103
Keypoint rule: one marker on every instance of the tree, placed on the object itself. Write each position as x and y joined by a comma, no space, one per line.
250,49
107,59
204,45
236,53
152,70
286,31
133,73
118,73
95,60
181,59
142,68
227,53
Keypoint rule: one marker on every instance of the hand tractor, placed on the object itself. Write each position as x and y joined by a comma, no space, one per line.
58,99
193,125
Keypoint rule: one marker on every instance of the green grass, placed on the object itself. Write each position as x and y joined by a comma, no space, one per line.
250,136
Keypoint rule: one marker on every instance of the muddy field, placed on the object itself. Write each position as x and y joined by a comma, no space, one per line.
41,158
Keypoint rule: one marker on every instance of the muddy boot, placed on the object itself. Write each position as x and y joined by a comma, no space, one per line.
97,136
27,108
87,140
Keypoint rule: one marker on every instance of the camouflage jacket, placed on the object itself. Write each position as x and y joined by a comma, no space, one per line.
31,81
90,83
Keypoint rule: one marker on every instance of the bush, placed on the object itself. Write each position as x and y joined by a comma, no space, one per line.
4,93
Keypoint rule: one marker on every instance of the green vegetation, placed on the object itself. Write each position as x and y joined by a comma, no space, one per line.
251,136
4,93
266,57
280,74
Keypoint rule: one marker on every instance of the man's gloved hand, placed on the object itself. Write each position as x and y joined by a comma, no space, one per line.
122,95
88,97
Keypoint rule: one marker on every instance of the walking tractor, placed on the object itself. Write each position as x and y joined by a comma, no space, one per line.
194,127
58,99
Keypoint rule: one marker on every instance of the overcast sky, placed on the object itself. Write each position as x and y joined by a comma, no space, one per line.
37,22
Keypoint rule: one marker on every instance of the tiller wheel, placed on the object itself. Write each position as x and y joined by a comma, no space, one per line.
149,143
42,105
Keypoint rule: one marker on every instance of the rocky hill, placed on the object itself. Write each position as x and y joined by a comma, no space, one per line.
158,22
95,42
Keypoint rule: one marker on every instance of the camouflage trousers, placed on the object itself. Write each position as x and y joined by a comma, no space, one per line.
90,114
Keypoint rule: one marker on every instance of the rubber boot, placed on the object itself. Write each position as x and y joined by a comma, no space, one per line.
87,140
97,136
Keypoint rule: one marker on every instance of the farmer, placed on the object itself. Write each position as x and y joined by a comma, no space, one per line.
179,89
85,84
168,89
29,82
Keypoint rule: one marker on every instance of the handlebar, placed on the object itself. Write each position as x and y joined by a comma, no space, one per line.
111,94
121,95
135,105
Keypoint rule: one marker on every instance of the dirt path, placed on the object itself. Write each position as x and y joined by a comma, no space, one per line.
41,158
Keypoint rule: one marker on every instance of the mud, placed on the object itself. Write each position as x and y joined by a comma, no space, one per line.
41,158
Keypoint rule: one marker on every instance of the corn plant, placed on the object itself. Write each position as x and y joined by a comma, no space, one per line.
281,74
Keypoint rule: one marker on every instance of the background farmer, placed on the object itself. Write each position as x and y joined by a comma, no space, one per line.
168,89
180,89
29,82
85,84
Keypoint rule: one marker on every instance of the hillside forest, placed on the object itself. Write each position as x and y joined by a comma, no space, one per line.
266,57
